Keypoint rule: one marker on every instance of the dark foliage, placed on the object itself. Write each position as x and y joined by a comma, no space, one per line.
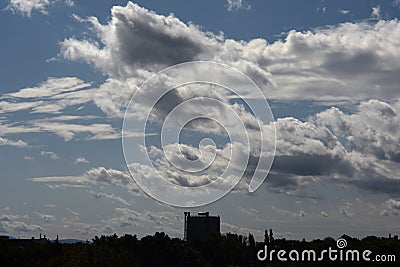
161,250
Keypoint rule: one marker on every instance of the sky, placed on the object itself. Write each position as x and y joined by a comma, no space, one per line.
328,69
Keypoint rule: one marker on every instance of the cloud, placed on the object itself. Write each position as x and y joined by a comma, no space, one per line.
64,185
112,197
69,131
52,87
178,175
80,159
86,229
61,179
352,150
49,154
113,177
371,130
26,7
376,12
66,130
345,212
358,150
52,99
49,97
249,212
342,62
393,204
126,217
113,96
95,176
7,142
296,137
349,61
372,138
305,154
237,5
69,3
14,224
72,212
392,207
343,11
47,218
228,228
139,39
300,214
324,214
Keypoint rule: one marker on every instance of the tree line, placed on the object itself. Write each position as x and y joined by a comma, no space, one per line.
161,250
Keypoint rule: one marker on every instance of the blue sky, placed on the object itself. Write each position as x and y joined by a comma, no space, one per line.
329,70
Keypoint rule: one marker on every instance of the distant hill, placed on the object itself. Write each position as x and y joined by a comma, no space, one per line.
70,241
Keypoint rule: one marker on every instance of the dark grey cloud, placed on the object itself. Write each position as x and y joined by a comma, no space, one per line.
342,62
371,130
145,38
323,149
391,207
137,38
365,158
349,61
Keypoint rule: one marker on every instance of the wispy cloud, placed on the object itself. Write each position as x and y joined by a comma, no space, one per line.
76,215
376,12
49,154
47,218
26,7
49,97
99,175
7,142
111,196
15,224
237,5
60,179
80,159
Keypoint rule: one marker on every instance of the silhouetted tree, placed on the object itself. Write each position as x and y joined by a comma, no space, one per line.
266,237
271,238
252,241
161,250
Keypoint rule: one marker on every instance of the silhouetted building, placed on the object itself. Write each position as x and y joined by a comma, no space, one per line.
20,242
199,226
